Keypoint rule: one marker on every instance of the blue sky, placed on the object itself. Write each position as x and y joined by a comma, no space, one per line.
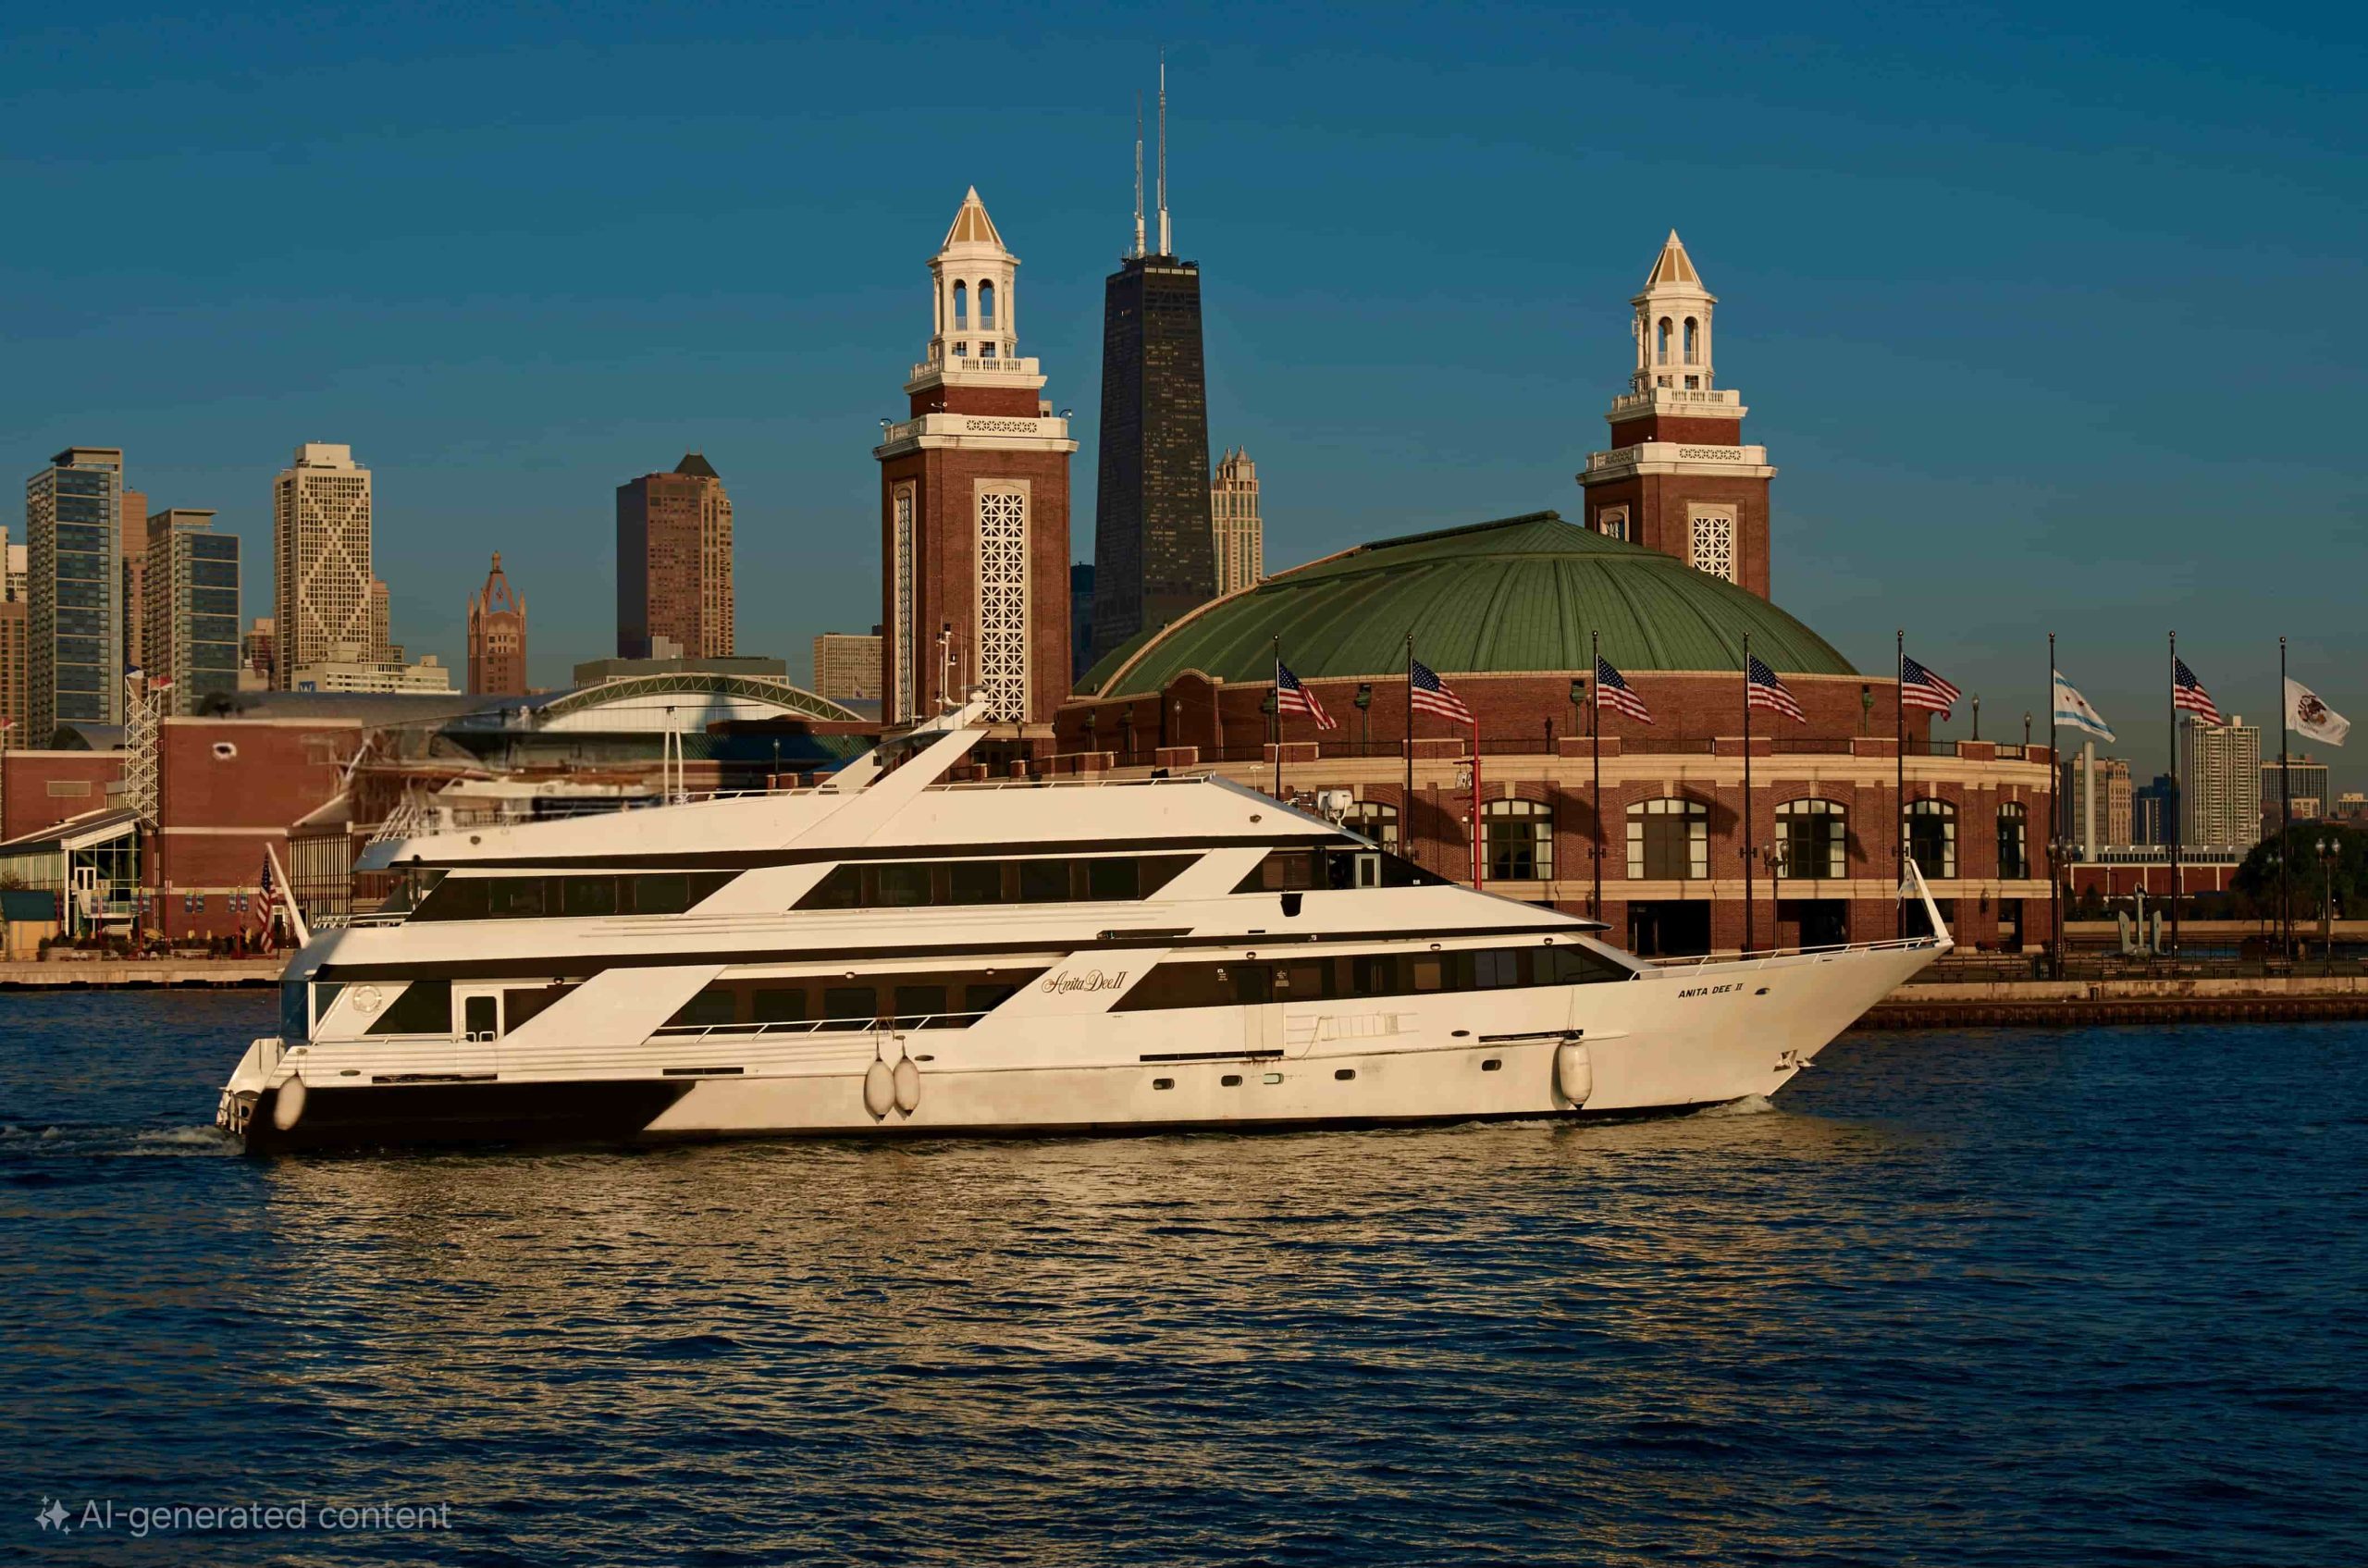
2052,320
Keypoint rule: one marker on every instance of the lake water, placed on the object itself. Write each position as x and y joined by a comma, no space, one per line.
2052,1296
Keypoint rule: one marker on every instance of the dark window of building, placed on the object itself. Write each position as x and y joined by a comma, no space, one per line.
519,1005
1669,839
974,882
909,883
1933,837
918,1005
1813,840
901,886
779,1004
2014,841
1235,982
1521,840
715,1004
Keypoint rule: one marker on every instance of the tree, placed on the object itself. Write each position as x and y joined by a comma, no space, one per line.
2257,878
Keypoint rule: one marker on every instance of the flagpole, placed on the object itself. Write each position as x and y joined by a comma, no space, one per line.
1279,718
2055,828
1477,848
2286,812
2178,796
1899,764
1595,731
1406,802
1746,793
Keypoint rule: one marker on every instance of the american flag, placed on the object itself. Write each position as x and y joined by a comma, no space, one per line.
1611,690
1762,690
265,902
2188,696
1919,687
1430,695
1292,697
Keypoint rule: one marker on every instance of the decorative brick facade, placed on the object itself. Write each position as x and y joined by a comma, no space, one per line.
974,506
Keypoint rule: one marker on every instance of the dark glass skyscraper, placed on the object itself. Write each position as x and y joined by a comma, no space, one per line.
1153,556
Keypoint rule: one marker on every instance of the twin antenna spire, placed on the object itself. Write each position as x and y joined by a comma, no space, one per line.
1166,243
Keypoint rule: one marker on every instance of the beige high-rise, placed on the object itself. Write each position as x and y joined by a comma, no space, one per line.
674,564
320,559
1233,518
847,667
2220,783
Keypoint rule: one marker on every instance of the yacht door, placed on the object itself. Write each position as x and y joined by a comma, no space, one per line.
477,1010
1261,1015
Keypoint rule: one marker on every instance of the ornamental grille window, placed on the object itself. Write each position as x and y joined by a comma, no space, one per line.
1933,837
1815,838
1519,838
1003,603
1612,522
1713,544
1669,840
2014,841
908,653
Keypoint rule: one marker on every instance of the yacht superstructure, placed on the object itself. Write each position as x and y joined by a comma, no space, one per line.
891,955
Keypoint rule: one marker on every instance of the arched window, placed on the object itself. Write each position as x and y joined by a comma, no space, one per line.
1377,820
987,307
1693,340
961,303
1669,840
2014,841
1813,838
1520,840
1662,347
1933,837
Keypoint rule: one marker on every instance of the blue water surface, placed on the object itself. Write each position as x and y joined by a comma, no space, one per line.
2042,1296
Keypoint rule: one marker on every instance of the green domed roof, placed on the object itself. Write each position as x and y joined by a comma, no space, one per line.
1519,595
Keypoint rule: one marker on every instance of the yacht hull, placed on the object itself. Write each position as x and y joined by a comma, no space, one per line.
1665,1041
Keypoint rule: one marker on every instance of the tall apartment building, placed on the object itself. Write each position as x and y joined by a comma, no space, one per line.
19,569
674,564
382,625
498,636
2150,812
1238,536
2219,781
2310,782
321,599
191,639
15,675
74,590
847,666
2111,824
135,574
1154,558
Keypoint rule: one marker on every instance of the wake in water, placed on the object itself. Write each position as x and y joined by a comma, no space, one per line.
30,1142
1749,1105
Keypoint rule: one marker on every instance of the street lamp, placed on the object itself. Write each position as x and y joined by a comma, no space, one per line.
1977,715
2329,848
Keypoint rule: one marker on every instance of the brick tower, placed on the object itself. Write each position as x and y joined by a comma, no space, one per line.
1677,477
974,505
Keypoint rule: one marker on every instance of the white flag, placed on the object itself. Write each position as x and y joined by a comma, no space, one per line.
2314,718
2073,708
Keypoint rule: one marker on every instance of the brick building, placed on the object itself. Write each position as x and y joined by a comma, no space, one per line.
1668,579
674,592
497,636
974,503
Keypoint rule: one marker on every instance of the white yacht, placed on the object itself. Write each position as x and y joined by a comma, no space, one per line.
891,955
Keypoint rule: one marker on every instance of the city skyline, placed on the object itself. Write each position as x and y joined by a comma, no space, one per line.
1987,431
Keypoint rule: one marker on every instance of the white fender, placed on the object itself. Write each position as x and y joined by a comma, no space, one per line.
908,1084
289,1106
878,1089
1574,1074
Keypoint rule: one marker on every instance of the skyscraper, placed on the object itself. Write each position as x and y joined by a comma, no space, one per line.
1240,536
1154,558
2219,782
320,560
74,582
15,675
974,503
847,666
497,636
674,564
134,538
191,639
